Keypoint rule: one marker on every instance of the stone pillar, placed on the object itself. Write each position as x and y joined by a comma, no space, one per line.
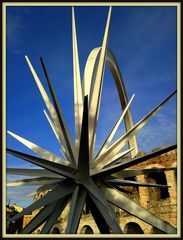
170,177
143,192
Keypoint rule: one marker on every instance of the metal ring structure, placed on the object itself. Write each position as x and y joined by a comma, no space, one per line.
88,83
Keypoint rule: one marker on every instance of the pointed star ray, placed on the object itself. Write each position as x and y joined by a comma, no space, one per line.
97,216
109,216
122,201
111,161
67,137
95,100
129,163
124,139
120,188
61,204
92,188
32,172
47,101
54,167
52,125
39,150
78,100
114,129
136,172
120,182
63,150
77,203
40,218
83,158
34,181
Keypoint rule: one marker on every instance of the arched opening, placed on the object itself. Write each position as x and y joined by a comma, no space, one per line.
86,230
55,231
156,193
156,231
133,228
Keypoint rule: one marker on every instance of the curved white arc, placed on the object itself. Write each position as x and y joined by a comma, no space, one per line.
78,99
90,72
114,129
63,150
95,100
47,102
115,70
88,82
39,150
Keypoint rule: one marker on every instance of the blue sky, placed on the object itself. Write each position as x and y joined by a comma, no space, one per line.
143,40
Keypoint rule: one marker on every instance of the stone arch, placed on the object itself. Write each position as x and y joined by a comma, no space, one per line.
41,195
156,231
133,228
55,230
157,178
171,176
175,171
155,192
144,195
86,229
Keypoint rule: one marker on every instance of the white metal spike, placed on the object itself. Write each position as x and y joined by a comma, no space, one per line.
48,103
95,100
107,162
120,143
78,100
114,129
39,150
52,125
33,181
62,149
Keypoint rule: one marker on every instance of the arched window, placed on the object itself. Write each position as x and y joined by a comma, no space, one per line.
55,231
86,230
157,193
133,228
156,231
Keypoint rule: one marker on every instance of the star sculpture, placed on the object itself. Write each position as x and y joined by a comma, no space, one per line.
81,177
